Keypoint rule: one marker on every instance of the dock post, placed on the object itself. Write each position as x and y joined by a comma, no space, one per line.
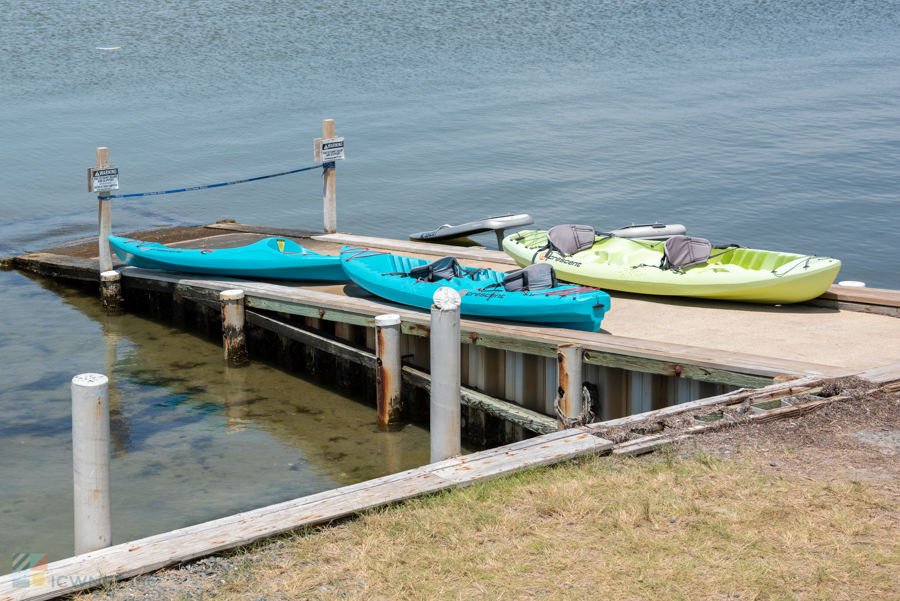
104,210
446,407
387,367
328,183
234,338
111,292
570,398
90,453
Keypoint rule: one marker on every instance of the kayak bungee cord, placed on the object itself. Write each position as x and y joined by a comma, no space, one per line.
805,265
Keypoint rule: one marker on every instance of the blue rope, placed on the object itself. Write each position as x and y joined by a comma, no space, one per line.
240,181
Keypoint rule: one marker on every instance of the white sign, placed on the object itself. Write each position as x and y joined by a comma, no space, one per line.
103,179
329,149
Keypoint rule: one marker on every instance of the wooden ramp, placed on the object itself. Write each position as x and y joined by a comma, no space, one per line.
155,552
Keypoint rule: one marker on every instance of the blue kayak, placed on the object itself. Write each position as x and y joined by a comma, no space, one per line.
481,291
270,258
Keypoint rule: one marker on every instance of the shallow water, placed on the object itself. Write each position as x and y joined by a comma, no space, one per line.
773,124
191,439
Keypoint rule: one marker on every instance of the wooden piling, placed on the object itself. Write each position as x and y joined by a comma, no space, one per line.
90,458
387,367
111,292
104,211
328,184
570,398
234,338
446,409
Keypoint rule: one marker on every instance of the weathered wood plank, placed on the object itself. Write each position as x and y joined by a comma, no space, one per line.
867,296
883,374
316,339
856,307
574,443
528,419
60,266
775,391
262,229
155,552
421,248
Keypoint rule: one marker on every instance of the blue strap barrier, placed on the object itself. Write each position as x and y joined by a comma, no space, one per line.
324,167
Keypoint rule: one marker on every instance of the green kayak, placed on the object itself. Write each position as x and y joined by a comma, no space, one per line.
738,274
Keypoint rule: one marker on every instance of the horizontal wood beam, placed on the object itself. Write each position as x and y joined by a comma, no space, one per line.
505,410
528,419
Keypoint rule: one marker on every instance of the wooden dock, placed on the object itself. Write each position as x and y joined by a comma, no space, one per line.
508,370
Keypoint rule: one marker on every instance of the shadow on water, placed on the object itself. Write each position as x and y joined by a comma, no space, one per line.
191,439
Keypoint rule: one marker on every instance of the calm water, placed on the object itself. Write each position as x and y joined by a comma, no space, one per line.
772,124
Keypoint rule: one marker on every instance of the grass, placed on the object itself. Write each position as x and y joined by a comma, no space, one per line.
658,527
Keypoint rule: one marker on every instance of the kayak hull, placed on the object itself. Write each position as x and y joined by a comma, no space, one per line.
270,258
566,306
741,274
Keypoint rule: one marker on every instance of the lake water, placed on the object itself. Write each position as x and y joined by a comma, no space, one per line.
772,124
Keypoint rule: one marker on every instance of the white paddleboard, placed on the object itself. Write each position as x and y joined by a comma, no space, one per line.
491,224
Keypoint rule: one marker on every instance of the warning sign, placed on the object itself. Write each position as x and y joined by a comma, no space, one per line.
103,179
328,150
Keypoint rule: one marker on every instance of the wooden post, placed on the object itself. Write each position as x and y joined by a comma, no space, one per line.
111,292
569,395
104,211
446,407
90,454
387,367
328,184
234,339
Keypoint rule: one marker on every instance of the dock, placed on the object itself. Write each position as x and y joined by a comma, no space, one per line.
653,359
651,353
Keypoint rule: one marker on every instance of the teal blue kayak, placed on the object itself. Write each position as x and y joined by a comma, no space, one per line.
270,258
481,291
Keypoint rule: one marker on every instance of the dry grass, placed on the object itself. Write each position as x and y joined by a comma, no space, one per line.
601,528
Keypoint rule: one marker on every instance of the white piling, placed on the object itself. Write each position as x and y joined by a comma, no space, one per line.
445,373
111,292
90,452
387,367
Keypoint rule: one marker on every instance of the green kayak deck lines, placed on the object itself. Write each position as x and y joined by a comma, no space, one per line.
741,274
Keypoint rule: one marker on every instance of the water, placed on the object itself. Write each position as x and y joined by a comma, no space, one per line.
191,439
772,124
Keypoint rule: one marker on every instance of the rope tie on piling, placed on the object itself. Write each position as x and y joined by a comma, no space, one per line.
584,418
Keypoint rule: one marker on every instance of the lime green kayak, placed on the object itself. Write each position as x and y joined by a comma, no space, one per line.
739,274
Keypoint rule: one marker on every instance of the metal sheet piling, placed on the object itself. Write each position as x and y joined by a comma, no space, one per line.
90,455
